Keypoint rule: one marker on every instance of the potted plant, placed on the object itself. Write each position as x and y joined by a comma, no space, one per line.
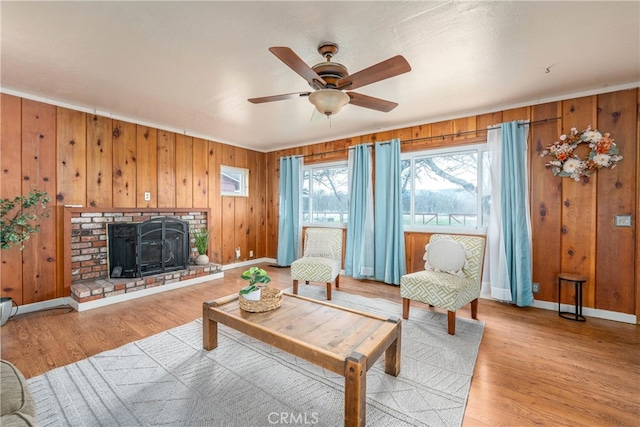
201,238
18,218
256,277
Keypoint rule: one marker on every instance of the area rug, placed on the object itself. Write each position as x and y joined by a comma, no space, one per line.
169,380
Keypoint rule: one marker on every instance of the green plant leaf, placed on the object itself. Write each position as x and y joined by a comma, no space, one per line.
248,289
18,217
201,240
255,275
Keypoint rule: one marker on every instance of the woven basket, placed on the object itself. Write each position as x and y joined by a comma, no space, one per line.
270,299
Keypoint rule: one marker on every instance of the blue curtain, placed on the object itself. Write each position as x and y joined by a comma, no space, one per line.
389,229
516,222
359,254
289,223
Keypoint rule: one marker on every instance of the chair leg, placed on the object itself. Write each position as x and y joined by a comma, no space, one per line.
474,309
405,308
337,281
328,291
295,287
451,322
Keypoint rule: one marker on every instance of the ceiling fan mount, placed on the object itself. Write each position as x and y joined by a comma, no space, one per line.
328,50
330,72
330,79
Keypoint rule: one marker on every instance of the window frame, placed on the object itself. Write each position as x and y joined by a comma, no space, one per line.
480,149
244,181
309,168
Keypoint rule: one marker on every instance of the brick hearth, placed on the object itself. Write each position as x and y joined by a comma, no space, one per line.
91,290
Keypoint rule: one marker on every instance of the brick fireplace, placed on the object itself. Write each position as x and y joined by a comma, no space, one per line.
86,271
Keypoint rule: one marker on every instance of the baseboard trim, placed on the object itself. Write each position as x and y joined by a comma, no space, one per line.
586,311
247,263
42,305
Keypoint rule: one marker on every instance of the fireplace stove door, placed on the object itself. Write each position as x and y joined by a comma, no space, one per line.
155,246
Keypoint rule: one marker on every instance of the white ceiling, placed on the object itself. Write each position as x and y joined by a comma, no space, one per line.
190,66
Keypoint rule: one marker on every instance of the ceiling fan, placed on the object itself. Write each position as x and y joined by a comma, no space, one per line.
329,80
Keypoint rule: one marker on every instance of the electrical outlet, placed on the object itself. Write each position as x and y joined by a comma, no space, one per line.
237,254
623,221
250,254
147,196
535,286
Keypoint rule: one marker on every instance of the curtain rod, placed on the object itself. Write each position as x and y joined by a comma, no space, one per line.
325,152
477,130
436,137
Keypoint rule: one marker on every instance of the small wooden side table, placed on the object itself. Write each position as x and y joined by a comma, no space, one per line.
578,280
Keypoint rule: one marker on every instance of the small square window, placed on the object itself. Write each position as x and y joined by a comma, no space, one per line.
234,181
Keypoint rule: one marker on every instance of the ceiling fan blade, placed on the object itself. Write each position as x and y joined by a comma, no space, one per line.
278,97
380,71
294,62
370,102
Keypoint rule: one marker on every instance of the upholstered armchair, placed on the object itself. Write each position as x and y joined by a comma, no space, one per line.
321,260
452,277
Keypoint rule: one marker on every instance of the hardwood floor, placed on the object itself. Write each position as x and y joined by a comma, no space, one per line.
533,368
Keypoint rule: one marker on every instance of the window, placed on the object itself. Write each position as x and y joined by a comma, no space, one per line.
325,193
446,188
234,181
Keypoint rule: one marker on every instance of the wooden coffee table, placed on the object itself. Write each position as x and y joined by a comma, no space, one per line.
345,341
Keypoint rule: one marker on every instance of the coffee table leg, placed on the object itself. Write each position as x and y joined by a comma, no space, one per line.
392,356
209,330
355,390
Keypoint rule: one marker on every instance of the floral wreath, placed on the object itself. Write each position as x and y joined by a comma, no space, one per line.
604,153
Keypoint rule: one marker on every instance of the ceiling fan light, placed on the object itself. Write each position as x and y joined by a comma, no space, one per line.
329,101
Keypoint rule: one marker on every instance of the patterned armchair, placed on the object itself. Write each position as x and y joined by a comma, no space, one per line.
321,259
447,290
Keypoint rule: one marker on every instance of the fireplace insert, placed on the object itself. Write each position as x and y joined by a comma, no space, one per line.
139,249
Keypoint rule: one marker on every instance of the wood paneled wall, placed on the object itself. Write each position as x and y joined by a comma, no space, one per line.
95,161
572,222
